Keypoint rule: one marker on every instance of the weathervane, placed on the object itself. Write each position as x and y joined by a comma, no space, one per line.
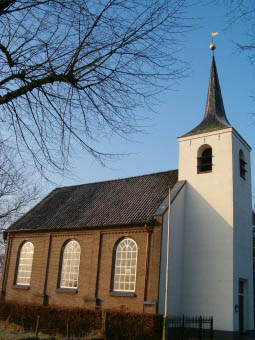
213,46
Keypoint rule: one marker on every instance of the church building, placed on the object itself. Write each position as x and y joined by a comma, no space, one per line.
104,245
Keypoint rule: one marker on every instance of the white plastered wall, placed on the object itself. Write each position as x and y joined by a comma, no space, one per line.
243,261
175,258
208,229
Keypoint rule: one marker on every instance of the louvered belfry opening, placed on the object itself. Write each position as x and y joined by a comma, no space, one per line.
204,160
242,164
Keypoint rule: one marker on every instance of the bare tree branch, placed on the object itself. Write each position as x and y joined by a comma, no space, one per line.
243,11
72,71
17,192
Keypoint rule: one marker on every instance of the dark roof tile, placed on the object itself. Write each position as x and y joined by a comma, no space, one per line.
125,201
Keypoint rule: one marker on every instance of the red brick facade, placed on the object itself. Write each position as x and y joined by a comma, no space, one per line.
95,273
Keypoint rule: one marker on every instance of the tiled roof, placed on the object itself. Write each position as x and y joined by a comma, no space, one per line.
214,117
131,200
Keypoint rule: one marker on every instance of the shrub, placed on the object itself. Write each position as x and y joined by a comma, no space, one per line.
79,322
53,319
133,326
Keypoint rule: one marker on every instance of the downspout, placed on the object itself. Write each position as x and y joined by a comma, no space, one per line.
167,250
45,296
147,261
98,269
7,255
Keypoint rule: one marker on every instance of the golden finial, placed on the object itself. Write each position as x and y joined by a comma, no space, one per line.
212,45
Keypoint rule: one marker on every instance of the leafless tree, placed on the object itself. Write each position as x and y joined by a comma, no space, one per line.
17,191
74,70
243,11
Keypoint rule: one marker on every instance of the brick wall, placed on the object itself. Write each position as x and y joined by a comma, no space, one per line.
94,285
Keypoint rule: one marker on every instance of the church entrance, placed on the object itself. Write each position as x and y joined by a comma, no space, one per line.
242,306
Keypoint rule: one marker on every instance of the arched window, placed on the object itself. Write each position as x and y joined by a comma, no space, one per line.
242,164
204,159
25,261
70,265
125,266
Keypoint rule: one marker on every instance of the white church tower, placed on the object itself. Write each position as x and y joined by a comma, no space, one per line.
214,160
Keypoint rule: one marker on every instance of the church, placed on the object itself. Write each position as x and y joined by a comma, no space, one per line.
105,245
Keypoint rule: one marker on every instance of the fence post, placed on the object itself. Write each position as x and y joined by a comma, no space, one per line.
37,325
165,329
200,328
104,324
67,329
211,329
182,327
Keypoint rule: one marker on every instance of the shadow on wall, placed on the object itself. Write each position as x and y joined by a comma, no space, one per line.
208,261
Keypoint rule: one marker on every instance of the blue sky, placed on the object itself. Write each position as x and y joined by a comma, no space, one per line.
182,108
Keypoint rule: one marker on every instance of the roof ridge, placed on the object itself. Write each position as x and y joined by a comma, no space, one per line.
117,179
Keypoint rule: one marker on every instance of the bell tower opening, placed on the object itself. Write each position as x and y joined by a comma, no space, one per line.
204,159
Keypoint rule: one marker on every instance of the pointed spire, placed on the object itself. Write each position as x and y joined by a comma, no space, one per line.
214,117
214,104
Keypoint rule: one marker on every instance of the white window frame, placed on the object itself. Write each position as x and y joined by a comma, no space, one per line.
70,265
25,263
125,266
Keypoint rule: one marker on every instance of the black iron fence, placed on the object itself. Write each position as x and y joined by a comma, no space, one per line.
184,328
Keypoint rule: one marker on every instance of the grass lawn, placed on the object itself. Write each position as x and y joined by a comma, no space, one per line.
10,331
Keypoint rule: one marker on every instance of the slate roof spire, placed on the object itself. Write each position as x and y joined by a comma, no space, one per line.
214,117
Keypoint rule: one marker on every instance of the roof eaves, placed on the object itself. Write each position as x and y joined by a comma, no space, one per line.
79,228
174,193
197,130
238,134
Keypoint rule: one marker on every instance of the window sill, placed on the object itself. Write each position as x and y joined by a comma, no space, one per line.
67,290
130,294
204,172
40,294
150,302
21,287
